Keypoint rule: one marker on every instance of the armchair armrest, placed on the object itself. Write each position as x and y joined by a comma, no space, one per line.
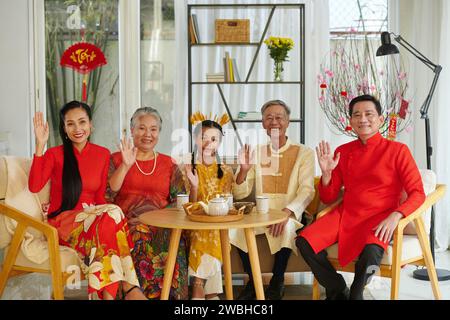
27,221
430,200
328,209
24,221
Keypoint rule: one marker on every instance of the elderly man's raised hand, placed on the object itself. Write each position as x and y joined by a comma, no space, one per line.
246,158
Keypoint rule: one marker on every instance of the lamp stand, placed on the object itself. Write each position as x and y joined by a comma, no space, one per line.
422,274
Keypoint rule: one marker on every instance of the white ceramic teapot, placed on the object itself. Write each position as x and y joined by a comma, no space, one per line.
216,207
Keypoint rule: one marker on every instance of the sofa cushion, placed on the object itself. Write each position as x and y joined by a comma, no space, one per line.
5,237
68,256
19,197
3,178
410,249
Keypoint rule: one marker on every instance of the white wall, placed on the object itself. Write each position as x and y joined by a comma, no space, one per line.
15,102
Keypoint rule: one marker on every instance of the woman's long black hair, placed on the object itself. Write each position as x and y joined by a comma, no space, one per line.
198,130
71,178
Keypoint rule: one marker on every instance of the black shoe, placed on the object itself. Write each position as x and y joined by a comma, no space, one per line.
275,291
343,295
248,293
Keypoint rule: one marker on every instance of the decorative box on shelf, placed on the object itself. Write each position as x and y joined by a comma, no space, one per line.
232,31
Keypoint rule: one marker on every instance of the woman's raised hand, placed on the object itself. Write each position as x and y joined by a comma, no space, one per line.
41,132
327,161
128,152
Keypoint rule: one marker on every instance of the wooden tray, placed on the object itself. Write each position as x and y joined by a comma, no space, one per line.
198,215
206,218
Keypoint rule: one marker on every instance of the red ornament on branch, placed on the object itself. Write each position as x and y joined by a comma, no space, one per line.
403,109
392,131
83,57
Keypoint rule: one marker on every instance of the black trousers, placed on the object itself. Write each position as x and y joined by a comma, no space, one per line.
279,265
333,282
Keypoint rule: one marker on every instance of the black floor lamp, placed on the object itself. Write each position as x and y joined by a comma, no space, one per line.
388,48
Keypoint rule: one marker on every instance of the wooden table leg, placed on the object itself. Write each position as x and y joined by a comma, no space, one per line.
254,262
175,236
225,243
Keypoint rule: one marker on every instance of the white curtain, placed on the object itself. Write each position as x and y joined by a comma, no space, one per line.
425,25
442,118
206,98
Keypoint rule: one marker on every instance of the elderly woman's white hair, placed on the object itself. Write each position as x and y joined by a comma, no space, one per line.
143,111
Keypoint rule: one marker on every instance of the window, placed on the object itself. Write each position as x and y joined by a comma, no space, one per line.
358,17
70,22
158,56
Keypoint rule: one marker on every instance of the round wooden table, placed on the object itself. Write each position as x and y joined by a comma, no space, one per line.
177,221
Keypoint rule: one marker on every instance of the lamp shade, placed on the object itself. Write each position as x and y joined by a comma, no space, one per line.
386,46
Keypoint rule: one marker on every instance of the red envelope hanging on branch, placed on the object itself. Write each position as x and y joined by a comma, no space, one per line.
83,57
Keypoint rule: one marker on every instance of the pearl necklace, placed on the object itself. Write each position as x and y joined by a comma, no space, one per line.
154,166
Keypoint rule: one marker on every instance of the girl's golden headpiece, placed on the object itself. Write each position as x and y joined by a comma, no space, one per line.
200,117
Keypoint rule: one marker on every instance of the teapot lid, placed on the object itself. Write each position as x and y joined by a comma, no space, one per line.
217,199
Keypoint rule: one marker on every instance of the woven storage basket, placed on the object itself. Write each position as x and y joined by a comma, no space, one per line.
228,31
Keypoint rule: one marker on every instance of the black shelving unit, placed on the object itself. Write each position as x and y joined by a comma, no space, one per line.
301,83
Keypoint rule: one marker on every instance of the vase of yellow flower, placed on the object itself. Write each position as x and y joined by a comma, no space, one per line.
278,71
279,48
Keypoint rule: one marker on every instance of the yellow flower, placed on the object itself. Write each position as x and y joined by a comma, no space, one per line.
122,242
279,43
106,271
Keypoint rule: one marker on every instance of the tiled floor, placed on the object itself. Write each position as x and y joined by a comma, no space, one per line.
410,288
31,287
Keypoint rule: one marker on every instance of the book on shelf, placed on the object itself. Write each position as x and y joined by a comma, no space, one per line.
196,29
236,76
225,70
230,69
215,77
193,29
216,80
249,115
230,66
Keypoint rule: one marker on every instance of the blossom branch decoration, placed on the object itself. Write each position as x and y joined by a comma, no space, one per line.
351,70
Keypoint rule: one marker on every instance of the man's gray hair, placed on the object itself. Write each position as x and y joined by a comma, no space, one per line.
143,112
276,103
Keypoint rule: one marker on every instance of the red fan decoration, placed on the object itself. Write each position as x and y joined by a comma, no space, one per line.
83,57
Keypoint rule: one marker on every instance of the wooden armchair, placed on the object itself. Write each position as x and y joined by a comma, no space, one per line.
405,249
15,262
11,269
296,263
